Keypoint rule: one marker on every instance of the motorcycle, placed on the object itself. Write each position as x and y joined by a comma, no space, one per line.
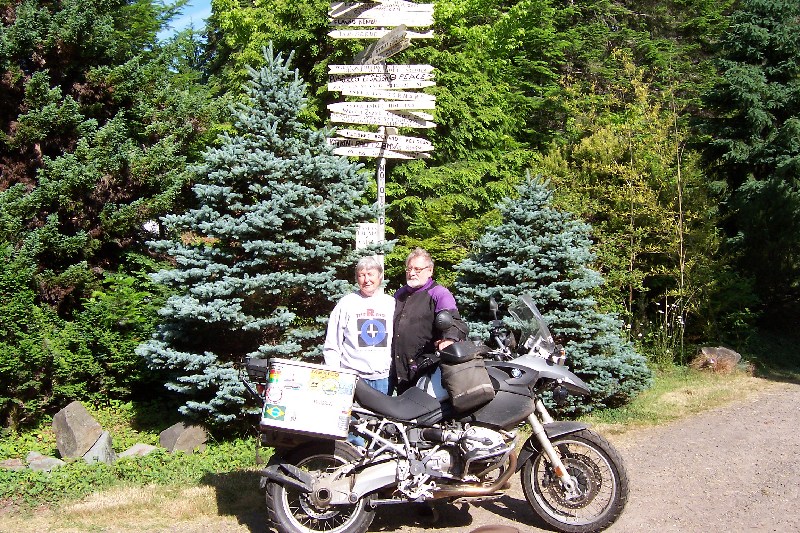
418,447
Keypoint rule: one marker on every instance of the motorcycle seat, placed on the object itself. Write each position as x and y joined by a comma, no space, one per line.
409,406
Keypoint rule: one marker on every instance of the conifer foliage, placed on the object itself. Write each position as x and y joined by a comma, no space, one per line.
542,251
261,260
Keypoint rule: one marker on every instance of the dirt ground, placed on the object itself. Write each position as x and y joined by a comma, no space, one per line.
730,469
733,469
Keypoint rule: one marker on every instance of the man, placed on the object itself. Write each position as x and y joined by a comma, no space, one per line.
416,339
360,328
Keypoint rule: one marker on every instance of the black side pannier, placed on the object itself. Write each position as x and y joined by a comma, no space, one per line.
464,376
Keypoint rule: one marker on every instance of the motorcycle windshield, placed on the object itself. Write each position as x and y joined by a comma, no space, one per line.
535,337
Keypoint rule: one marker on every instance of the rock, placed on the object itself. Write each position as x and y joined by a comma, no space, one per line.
102,451
12,464
717,359
76,431
137,450
183,438
42,463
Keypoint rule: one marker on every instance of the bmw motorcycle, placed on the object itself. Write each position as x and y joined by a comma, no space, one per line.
424,445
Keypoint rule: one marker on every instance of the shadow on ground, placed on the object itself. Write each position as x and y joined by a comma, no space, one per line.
238,495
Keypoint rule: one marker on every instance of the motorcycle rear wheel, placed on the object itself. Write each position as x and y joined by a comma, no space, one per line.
291,511
601,479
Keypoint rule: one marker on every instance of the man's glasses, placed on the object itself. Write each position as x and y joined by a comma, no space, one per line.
416,270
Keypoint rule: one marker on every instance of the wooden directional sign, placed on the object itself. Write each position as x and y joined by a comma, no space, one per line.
387,80
369,233
349,86
393,142
375,34
392,40
390,44
367,10
384,118
386,53
386,18
359,107
378,152
377,69
384,94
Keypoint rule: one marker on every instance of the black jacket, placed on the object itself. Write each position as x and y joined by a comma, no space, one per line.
413,348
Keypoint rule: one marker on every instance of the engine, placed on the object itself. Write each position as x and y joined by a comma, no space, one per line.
462,453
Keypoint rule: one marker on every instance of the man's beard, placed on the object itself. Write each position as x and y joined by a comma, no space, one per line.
414,283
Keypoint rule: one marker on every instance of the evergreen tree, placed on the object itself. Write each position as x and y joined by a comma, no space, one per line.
261,261
96,129
542,251
754,144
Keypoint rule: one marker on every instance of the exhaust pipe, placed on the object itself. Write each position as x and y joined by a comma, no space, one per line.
479,490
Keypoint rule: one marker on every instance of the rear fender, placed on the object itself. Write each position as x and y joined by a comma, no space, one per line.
553,430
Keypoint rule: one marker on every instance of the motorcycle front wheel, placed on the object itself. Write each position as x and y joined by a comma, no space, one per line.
292,511
598,472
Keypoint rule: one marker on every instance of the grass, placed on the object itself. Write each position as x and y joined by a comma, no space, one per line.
677,393
219,487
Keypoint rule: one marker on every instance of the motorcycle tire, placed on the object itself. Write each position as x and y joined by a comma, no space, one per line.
601,480
291,511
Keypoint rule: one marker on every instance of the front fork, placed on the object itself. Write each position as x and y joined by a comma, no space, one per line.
538,432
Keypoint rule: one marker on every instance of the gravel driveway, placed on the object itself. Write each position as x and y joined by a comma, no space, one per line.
732,469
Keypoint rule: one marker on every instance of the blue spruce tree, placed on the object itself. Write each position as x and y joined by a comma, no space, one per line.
542,251
262,259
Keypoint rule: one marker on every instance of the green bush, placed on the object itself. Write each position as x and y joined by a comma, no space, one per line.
128,423
47,361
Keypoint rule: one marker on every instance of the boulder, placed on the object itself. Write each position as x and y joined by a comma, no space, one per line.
42,463
76,431
137,450
12,464
102,451
716,359
183,438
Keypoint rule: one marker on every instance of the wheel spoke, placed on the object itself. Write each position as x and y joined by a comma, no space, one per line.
600,483
295,511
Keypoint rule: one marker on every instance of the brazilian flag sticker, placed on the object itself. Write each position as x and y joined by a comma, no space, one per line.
274,412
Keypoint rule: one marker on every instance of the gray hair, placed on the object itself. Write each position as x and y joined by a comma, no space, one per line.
369,262
419,252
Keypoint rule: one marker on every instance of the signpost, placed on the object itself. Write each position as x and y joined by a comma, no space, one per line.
371,151
374,140
374,34
394,105
361,9
383,77
370,77
352,85
387,18
378,69
386,94
386,14
384,118
368,233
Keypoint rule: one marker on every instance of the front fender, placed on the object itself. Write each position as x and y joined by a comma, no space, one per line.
553,430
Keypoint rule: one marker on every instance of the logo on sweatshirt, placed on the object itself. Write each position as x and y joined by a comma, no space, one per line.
373,332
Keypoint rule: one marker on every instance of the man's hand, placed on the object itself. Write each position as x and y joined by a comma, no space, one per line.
443,343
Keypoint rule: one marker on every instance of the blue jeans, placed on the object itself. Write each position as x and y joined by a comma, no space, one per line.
379,385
